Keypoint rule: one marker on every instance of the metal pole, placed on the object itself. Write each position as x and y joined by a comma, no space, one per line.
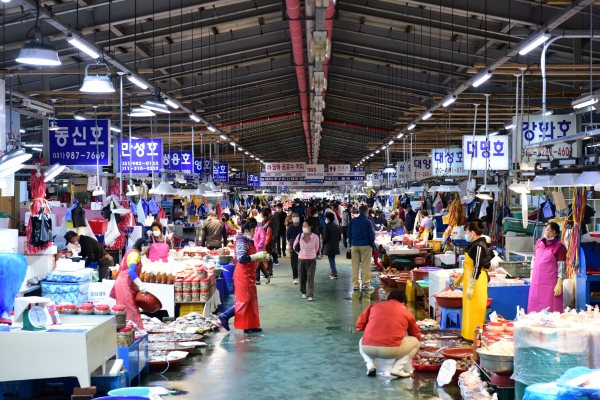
120,133
515,128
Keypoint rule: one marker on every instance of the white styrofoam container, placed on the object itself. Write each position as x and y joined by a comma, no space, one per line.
40,264
9,240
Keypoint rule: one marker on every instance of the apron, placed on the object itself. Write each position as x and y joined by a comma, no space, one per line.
427,234
474,309
124,292
544,277
246,296
159,251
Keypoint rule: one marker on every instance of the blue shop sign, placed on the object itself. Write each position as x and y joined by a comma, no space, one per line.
80,142
145,155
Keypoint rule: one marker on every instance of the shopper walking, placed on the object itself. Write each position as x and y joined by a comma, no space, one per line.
246,296
269,239
293,232
395,225
410,216
308,243
280,238
361,233
259,238
331,242
390,332
214,235
346,218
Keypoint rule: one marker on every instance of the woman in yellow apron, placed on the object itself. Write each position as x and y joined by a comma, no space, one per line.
474,280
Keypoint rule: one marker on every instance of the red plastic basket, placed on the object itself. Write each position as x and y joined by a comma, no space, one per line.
99,225
425,368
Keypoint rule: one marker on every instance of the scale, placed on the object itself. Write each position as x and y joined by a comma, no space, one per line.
32,313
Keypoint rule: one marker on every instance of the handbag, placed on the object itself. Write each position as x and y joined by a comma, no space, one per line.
297,246
349,254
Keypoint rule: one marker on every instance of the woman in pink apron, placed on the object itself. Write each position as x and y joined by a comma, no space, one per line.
128,282
548,272
159,248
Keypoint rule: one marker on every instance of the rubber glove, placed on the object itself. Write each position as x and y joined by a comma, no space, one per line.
261,255
471,289
457,282
558,288
140,285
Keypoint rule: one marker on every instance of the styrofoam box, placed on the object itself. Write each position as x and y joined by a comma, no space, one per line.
448,259
9,240
437,281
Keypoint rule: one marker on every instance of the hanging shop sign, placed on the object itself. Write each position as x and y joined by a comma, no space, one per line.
421,165
144,158
283,174
447,162
254,180
221,173
314,174
180,161
387,178
80,142
536,131
202,166
336,176
237,178
482,154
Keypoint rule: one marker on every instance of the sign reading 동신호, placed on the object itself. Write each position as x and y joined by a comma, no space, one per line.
80,142
534,130
482,154
447,162
145,156
283,174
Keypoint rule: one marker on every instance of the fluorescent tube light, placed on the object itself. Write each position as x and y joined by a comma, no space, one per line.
171,103
482,79
534,43
137,81
449,101
223,137
494,133
509,126
82,45
115,129
211,128
411,127
426,116
195,118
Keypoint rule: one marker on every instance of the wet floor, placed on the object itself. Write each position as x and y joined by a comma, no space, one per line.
308,350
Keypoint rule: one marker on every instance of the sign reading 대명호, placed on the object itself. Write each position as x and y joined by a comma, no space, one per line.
482,154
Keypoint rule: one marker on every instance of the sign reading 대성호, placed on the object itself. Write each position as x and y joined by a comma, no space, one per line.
447,162
145,155
478,153
78,142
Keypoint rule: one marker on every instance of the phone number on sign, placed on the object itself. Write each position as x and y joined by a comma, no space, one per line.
77,155
544,152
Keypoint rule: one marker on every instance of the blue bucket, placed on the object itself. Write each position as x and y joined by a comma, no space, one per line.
132,393
228,270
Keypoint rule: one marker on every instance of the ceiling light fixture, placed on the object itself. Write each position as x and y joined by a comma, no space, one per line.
411,126
494,133
79,117
141,112
223,137
171,103
426,116
54,171
194,118
136,81
391,142
82,45
156,105
534,43
482,78
22,130
211,128
448,101
509,126
165,188
97,83
585,102
115,129
36,52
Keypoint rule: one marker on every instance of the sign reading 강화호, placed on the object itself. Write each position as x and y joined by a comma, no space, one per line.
447,162
314,174
478,153
145,155
536,131
79,142
283,174
221,173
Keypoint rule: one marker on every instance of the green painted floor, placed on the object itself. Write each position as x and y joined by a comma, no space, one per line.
306,351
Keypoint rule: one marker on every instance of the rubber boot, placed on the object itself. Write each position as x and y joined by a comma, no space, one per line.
225,316
398,369
376,259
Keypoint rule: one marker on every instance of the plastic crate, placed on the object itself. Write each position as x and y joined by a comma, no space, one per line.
56,386
16,389
516,225
516,269
187,308
105,384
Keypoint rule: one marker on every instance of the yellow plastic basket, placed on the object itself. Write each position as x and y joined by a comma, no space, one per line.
445,219
188,308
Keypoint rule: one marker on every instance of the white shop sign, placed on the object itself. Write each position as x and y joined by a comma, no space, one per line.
315,174
421,165
447,162
478,152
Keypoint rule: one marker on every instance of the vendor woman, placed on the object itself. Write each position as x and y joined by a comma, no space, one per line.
426,229
160,244
474,280
128,282
244,279
548,272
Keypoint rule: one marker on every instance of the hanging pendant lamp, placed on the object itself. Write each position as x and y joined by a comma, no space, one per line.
37,53
97,83
165,187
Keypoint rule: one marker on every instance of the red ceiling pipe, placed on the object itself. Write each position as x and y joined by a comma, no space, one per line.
357,126
264,119
294,13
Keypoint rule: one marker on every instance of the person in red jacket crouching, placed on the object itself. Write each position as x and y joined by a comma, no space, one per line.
390,332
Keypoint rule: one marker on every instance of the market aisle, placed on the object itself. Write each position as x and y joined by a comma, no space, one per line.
307,350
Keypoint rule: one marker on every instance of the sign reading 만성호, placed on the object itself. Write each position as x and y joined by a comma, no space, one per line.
221,173
283,174
536,131
447,162
344,176
144,158
421,165
314,174
237,178
478,153
254,180
79,142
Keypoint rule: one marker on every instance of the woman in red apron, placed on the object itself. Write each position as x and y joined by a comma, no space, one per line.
159,248
548,272
245,307
128,282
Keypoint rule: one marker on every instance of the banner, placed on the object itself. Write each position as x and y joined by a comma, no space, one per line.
481,152
314,174
221,173
535,131
447,162
202,167
180,161
77,142
339,175
283,174
146,155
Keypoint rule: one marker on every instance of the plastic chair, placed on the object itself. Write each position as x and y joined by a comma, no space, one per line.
446,314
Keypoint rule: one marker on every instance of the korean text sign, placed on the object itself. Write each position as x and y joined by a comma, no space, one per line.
145,155
447,162
421,165
202,166
343,175
180,161
80,142
282,174
478,153
254,180
221,173
535,131
237,178
314,173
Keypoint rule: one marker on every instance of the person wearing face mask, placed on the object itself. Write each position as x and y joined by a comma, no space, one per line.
474,280
309,245
294,230
160,246
128,282
548,271
92,251
279,220
315,225
246,257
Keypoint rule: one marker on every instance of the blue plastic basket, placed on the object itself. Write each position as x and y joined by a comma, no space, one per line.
131,392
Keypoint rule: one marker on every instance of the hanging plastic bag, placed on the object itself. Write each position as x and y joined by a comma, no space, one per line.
112,233
141,215
42,229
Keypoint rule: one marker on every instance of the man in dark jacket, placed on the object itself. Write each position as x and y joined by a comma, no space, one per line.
214,234
92,251
410,219
346,218
361,233
279,221
293,230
